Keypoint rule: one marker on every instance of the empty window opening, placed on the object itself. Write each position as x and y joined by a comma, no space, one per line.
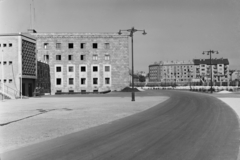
95,68
58,45
10,44
82,57
95,45
70,57
10,80
70,69
107,80
83,69
46,57
58,57
4,63
95,80
95,57
95,91
59,81
45,45
83,81
10,62
59,69
107,46
71,91
83,91
83,45
70,81
107,68
107,57
70,45
4,45
59,91
4,80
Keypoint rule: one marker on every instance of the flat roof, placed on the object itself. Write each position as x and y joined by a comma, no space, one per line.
151,65
26,35
213,61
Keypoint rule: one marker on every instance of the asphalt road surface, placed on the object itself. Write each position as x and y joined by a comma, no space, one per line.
188,126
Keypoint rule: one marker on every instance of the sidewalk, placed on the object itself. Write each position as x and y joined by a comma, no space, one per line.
234,103
38,119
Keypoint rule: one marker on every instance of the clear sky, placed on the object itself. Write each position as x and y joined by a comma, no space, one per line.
176,29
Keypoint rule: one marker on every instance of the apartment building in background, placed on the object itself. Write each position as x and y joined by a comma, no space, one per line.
220,69
184,72
171,71
84,62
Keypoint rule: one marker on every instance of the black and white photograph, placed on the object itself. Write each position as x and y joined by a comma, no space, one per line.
119,79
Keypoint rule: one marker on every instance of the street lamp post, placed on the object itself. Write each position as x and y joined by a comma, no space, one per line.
132,30
165,79
189,78
210,52
21,75
175,76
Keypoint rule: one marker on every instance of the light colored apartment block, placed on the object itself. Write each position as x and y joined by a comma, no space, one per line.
184,72
172,72
220,70
85,62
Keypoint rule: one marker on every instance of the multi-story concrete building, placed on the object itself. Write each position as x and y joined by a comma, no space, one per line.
176,71
85,62
18,69
183,72
154,72
171,72
220,70
235,75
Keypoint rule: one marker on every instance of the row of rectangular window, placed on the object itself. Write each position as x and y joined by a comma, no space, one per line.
70,57
5,45
5,62
5,80
82,45
83,69
83,81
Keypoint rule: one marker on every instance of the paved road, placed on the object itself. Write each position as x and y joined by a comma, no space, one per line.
188,126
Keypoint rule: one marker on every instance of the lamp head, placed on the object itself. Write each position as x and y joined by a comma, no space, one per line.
217,52
119,32
144,33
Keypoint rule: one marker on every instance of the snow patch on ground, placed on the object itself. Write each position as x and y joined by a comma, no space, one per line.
224,92
140,89
233,103
61,116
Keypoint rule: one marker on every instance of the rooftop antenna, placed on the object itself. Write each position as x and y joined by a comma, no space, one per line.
34,16
30,16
